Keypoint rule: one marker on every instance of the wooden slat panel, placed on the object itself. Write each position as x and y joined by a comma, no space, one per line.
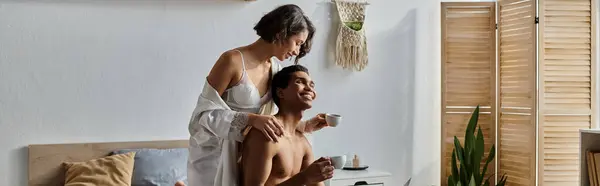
517,95
468,73
566,86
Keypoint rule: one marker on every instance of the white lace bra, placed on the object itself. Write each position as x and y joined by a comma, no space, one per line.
244,96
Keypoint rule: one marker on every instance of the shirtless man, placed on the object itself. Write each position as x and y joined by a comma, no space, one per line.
289,161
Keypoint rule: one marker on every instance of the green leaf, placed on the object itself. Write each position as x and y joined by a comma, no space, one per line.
461,158
472,182
469,155
470,141
455,175
490,157
472,123
502,181
478,154
354,25
487,181
467,171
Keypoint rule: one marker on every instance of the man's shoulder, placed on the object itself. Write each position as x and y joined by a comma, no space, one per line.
300,135
255,135
256,138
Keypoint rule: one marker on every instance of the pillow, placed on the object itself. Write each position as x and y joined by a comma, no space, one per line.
113,170
158,167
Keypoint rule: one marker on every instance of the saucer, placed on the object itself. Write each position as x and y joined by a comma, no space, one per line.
356,168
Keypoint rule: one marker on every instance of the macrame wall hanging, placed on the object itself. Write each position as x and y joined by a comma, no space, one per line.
351,48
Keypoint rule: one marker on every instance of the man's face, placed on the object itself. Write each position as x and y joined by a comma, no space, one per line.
300,91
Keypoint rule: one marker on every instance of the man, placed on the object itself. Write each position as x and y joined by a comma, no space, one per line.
290,160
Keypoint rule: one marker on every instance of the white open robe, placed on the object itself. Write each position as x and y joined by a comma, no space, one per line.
215,131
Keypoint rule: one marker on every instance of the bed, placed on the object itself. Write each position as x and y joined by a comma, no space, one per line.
45,160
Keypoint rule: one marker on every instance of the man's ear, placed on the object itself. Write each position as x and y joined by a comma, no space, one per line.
279,93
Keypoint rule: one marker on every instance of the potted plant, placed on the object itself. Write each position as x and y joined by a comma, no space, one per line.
467,171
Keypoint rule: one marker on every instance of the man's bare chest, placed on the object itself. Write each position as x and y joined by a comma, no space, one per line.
288,161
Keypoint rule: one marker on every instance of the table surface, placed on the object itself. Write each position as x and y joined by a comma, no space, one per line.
340,174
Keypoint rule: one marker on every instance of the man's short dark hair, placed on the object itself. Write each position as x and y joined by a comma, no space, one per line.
283,22
282,79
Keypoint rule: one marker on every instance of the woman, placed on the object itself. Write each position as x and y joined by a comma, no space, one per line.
236,97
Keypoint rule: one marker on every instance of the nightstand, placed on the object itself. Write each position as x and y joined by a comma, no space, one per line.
356,177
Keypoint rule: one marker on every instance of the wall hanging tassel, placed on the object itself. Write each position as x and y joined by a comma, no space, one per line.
351,47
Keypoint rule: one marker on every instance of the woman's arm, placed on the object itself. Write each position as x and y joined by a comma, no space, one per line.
302,126
226,124
314,124
229,124
223,123
223,71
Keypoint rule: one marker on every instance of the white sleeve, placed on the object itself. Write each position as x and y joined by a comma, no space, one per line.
302,126
226,124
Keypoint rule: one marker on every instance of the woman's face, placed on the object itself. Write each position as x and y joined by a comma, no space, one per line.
291,46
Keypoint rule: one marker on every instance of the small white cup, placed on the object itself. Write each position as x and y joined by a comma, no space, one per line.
333,120
338,162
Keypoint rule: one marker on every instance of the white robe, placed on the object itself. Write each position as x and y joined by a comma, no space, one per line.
215,133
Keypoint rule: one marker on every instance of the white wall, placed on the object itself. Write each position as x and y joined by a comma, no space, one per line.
98,71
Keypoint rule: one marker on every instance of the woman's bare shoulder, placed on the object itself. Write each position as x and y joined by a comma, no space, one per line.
228,60
225,70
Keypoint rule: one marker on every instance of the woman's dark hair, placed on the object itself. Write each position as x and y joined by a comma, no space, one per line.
282,78
283,22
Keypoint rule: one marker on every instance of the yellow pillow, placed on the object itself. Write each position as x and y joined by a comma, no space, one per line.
115,170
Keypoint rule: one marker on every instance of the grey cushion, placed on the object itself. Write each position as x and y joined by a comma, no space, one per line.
158,167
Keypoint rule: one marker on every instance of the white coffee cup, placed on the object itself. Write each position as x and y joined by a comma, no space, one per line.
333,120
338,162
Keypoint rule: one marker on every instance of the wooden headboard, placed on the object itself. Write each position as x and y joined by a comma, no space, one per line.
45,161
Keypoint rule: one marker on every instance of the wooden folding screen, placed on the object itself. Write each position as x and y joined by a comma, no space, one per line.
517,77
551,91
468,77
566,87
